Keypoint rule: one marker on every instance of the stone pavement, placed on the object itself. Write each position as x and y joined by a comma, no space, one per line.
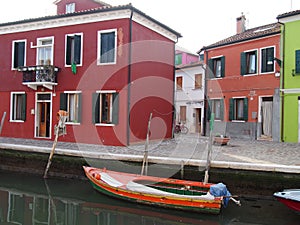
188,149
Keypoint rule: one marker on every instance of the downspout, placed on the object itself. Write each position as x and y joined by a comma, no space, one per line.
129,78
282,79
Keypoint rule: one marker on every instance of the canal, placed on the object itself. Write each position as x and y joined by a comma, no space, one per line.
31,200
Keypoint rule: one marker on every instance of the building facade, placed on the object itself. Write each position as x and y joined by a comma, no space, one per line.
290,84
109,67
189,96
243,79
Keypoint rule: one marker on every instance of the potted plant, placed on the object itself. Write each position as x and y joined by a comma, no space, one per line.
221,139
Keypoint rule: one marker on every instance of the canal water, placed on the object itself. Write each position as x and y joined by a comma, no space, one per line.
31,200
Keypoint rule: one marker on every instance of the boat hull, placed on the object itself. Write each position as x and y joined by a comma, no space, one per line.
212,206
290,198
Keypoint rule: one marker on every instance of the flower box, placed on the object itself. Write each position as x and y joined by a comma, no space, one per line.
221,140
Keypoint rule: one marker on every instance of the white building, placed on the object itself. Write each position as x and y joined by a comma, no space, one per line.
189,96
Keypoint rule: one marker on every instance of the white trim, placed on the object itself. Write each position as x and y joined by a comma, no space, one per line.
260,59
87,18
291,90
38,46
99,33
215,57
105,124
81,50
106,91
13,51
72,92
12,106
289,19
36,113
257,62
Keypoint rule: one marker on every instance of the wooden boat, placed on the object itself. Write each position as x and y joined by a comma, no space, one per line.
156,191
289,197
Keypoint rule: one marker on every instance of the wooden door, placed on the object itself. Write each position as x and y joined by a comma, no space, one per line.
43,108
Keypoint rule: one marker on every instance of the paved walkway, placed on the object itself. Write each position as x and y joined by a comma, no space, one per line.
188,149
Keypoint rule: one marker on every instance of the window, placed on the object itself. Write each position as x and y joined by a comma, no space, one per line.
182,113
71,102
249,62
267,60
216,106
18,106
238,109
297,61
73,49
178,59
70,8
18,56
106,107
107,42
45,51
216,67
198,81
178,83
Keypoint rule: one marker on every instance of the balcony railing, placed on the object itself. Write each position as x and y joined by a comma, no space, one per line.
41,75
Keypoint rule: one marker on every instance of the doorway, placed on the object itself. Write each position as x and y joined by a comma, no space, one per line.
266,117
43,115
198,120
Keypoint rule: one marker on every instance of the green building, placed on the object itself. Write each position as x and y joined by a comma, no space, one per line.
290,80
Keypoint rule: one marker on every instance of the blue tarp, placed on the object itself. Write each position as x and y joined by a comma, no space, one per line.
219,190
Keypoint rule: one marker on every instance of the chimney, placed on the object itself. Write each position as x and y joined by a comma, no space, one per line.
241,24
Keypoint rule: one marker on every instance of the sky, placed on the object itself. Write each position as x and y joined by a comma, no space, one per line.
199,22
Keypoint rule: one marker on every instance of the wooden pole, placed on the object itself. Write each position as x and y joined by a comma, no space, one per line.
145,160
209,152
2,122
52,153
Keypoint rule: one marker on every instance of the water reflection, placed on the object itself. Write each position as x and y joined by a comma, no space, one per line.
30,200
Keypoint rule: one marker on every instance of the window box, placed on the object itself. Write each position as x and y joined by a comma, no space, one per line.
221,140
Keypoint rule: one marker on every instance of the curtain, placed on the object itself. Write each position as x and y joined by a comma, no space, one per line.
267,111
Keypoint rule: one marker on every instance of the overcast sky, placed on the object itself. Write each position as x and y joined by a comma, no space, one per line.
199,22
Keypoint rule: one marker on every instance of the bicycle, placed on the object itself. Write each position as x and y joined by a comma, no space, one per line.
181,128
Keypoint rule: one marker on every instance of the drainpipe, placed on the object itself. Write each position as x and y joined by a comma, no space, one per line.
282,79
129,78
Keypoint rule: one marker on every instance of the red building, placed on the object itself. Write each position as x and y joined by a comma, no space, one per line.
243,80
109,67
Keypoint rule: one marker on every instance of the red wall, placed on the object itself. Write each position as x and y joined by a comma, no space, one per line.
236,85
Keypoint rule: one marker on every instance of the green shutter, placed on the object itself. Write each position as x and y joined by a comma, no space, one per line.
79,107
246,109
243,63
68,50
210,72
63,101
115,109
222,109
297,61
95,108
23,113
231,109
223,66
77,49
209,102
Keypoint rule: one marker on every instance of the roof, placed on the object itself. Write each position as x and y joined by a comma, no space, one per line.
192,64
92,11
288,14
254,33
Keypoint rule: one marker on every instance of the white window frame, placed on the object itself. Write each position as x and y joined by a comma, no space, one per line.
39,45
99,47
12,106
70,7
13,53
100,108
81,49
235,119
257,62
68,106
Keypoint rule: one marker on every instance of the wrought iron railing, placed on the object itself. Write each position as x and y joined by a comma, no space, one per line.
39,74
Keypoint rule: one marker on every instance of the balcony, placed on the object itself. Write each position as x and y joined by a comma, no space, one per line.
41,75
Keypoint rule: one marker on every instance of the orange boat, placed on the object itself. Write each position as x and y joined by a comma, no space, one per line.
162,192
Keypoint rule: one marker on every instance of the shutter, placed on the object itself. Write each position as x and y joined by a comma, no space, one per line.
297,61
222,109
21,53
209,107
231,109
107,46
264,61
23,113
211,69
95,108
246,109
270,59
79,107
115,109
77,49
63,101
223,66
68,50
243,63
